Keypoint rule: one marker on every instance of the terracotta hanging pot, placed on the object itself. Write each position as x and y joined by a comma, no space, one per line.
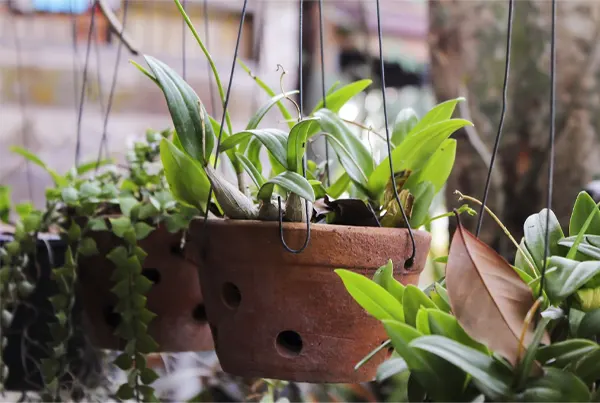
280,315
175,297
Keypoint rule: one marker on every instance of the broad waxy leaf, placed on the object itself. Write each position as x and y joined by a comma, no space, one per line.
439,113
493,376
584,206
290,181
438,167
371,296
487,296
521,262
187,112
423,195
586,247
406,120
535,236
338,98
414,152
186,178
569,276
274,140
384,276
412,300
444,324
296,144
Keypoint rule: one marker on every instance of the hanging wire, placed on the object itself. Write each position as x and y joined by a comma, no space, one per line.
409,262
502,115
75,57
83,86
225,105
211,90
300,113
322,45
22,103
550,146
113,86
98,71
183,43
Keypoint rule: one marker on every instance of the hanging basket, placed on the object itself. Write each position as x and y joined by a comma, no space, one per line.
175,297
287,316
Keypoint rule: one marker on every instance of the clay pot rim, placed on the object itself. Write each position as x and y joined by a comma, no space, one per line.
296,226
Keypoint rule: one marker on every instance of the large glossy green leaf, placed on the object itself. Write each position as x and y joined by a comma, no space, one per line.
569,276
260,114
438,167
186,178
535,233
490,374
439,113
371,296
406,120
274,140
414,152
296,144
445,324
583,248
521,261
357,150
59,180
291,182
384,276
584,206
412,300
341,96
441,380
555,386
187,112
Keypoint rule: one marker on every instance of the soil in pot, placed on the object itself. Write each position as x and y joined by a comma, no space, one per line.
280,315
181,323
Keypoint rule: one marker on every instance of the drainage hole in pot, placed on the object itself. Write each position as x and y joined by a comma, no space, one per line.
288,343
111,317
199,313
152,275
232,297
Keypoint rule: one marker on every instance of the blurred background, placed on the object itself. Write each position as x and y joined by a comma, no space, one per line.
57,74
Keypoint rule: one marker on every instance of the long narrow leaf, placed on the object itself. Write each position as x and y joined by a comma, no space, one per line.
339,186
260,114
438,113
29,156
350,164
274,140
251,170
341,96
291,182
438,167
296,144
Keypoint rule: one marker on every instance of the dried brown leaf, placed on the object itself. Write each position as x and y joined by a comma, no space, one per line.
487,296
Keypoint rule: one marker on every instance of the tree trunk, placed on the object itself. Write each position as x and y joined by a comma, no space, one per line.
468,49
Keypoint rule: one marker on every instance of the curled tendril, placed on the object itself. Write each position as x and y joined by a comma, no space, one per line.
283,73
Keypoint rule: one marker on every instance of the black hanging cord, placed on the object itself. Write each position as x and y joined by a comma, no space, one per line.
113,86
211,90
409,262
75,57
98,72
225,104
502,115
301,112
22,103
83,86
550,146
322,45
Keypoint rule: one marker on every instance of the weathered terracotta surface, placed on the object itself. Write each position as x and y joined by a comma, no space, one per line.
280,315
176,298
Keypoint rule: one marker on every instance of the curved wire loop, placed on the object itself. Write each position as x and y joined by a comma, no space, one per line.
306,240
410,261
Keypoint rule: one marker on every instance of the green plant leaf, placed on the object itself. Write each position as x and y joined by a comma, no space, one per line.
535,232
187,112
423,194
70,195
186,178
555,386
372,354
339,186
437,169
371,296
422,322
406,120
391,367
439,296
59,180
493,376
120,225
148,376
336,129
563,353
439,113
274,140
291,182
87,247
444,324
588,367
349,163
521,262
526,364
412,300
260,114
590,324
414,152
569,276
251,170
584,206
296,144
125,392
123,361
126,203
585,247
142,230
384,276
341,96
